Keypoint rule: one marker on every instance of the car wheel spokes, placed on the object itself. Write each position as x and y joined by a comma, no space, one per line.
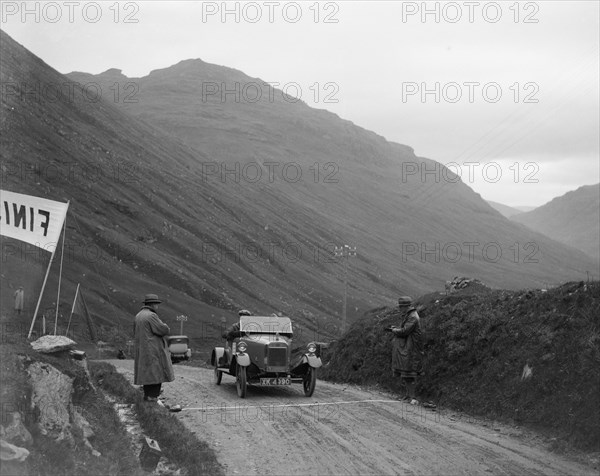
240,381
310,381
218,375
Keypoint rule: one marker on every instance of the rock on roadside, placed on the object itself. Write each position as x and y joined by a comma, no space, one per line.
52,396
50,344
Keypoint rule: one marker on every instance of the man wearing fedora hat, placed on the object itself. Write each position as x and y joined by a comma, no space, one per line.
152,364
407,349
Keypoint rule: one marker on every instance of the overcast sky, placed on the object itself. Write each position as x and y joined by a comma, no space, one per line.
511,89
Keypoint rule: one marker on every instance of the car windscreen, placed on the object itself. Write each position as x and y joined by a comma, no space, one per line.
266,325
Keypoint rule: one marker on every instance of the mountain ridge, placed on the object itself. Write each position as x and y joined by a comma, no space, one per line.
506,210
571,218
168,221
345,144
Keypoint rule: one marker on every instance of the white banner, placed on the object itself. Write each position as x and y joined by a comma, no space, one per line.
35,220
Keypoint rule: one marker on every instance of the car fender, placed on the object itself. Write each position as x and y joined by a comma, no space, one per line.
312,360
242,359
217,354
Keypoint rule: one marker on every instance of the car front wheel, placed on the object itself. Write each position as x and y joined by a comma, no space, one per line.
218,375
240,381
310,382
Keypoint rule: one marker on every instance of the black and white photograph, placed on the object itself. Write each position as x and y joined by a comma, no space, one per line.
299,237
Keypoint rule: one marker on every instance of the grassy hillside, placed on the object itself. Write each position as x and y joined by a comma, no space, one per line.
477,345
369,193
141,218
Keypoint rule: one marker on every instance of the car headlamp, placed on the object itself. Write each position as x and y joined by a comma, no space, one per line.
241,347
312,347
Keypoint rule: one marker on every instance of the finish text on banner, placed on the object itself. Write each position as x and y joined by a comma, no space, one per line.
35,220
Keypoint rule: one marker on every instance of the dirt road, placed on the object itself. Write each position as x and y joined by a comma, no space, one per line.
346,430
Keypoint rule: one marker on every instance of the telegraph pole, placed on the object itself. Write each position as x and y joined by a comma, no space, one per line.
181,318
345,252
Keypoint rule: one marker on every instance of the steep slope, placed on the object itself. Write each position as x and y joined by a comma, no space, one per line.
478,345
504,209
573,219
413,222
141,218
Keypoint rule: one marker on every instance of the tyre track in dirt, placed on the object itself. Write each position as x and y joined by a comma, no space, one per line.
345,430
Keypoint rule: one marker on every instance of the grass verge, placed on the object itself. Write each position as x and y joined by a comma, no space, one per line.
48,456
177,443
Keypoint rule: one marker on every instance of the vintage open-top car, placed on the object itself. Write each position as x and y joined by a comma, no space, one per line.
259,352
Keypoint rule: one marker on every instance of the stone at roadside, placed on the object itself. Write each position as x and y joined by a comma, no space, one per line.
52,396
50,344
15,432
527,372
10,452
461,283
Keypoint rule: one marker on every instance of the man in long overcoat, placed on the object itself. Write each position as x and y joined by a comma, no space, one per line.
407,349
152,362
19,299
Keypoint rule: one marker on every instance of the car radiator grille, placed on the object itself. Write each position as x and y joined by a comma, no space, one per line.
277,357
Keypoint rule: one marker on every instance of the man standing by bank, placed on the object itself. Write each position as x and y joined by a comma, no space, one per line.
152,362
407,350
19,300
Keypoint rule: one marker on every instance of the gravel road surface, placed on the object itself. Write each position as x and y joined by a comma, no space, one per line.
347,430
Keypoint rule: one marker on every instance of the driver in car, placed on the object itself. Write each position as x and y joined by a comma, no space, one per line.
233,331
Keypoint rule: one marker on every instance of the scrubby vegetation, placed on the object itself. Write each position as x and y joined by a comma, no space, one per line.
176,442
478,344
47,455
51,457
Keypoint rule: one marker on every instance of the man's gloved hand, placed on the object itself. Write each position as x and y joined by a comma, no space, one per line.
388,329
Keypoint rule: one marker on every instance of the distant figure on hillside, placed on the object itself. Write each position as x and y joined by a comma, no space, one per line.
407,350
19,299
152,362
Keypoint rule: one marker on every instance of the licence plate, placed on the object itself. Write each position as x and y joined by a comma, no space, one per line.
276,381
